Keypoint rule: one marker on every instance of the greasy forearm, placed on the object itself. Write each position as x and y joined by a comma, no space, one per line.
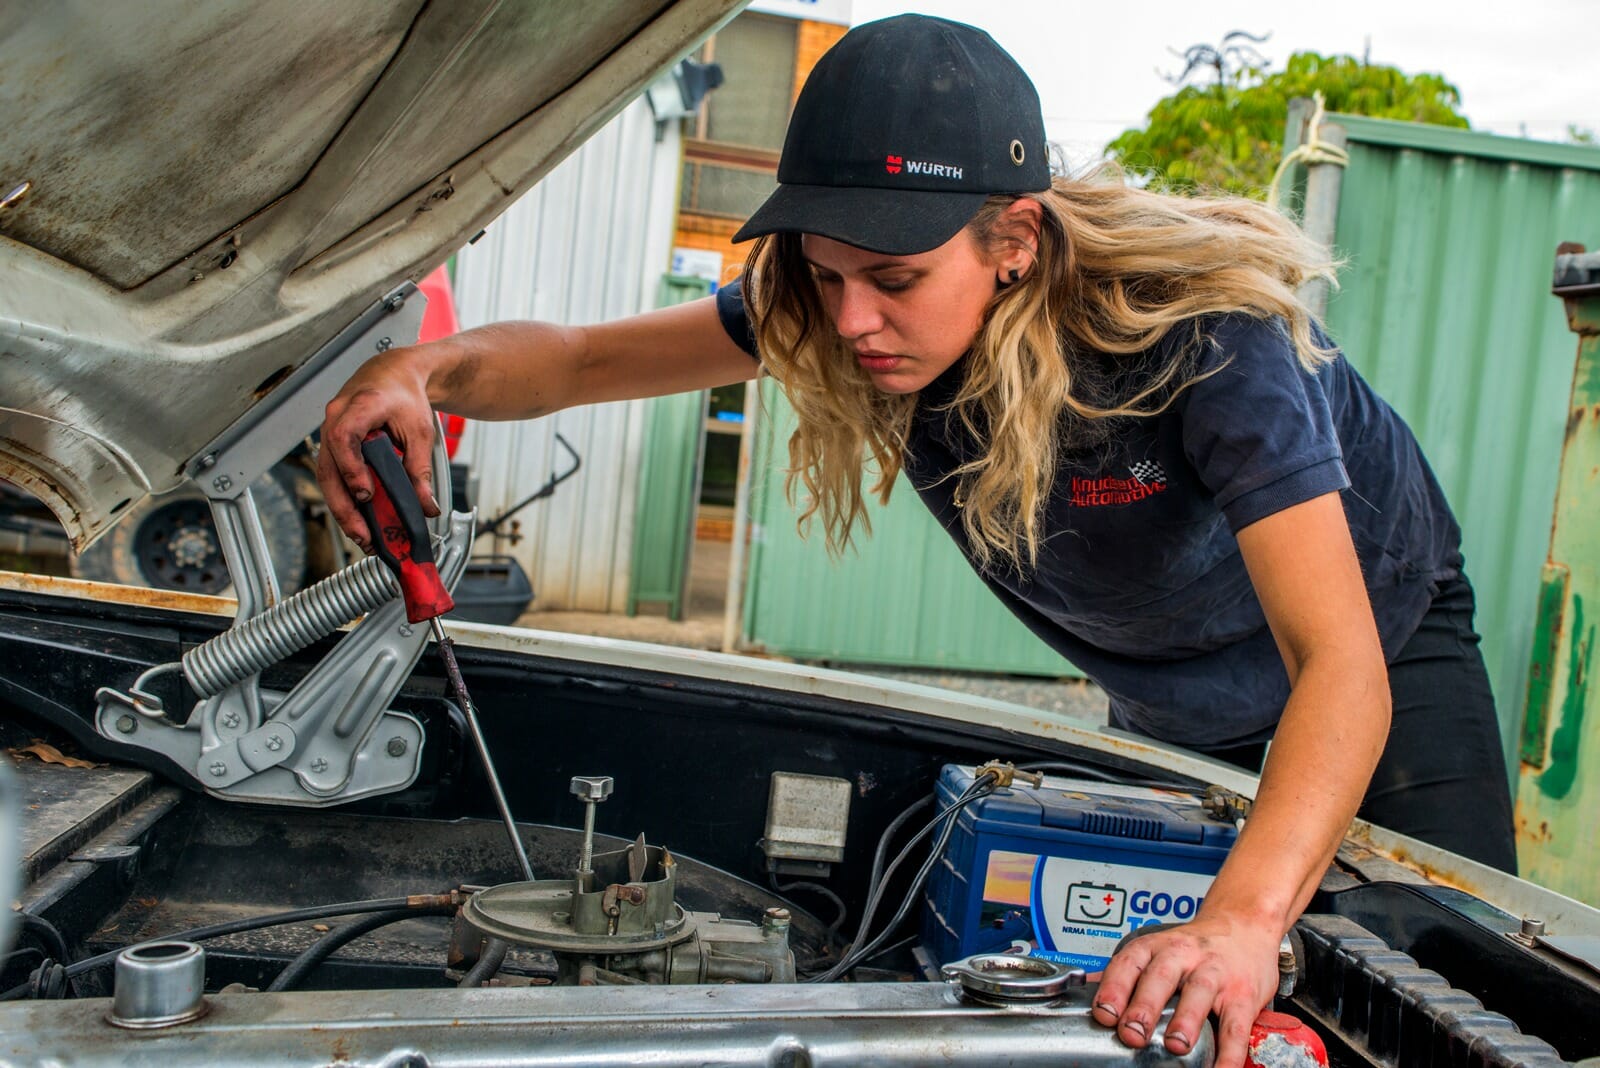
518,370
1332,732
513,370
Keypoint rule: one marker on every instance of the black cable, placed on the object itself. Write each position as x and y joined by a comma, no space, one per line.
494,955
888,949
45,931
879,855
1087,771
49,979
980,787
884,839
323,948
910,896
219,930
816,888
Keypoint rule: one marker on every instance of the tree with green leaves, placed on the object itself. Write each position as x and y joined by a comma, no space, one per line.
1228,135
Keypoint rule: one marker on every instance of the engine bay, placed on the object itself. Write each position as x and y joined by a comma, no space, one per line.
724,871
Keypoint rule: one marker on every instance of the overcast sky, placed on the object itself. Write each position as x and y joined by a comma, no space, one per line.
1524,69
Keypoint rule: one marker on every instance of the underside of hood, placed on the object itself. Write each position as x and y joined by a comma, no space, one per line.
201,193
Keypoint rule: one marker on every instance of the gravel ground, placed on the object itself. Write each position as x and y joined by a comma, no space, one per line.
1071,698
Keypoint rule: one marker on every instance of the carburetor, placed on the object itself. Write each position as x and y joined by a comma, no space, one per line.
617,921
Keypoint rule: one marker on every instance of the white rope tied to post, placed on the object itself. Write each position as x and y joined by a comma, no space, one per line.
1310,151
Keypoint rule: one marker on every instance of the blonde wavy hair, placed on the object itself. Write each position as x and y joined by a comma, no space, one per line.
1116,269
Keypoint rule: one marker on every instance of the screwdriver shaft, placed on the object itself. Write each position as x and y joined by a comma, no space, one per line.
447,653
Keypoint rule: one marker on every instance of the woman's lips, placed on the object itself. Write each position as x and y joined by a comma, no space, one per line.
878,362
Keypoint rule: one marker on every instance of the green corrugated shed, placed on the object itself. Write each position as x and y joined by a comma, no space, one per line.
903,596
1445,307
669,481
1448,235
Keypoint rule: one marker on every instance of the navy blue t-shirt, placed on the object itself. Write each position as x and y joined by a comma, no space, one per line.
1140,582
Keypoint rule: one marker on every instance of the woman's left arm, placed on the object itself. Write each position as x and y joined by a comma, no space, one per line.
1304,569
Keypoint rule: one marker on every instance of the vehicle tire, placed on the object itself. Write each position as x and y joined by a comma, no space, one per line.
170,542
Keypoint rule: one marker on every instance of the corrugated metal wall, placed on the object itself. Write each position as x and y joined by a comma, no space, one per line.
1445,307
903,596
1448,235
587,244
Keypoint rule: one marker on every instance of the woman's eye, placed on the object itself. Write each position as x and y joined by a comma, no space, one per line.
894,285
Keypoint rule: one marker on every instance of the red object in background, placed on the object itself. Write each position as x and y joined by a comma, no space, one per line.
1282,1041
439,320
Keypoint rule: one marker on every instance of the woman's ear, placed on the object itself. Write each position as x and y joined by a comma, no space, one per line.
1018,227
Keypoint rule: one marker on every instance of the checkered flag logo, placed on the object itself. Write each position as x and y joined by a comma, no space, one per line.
1148,471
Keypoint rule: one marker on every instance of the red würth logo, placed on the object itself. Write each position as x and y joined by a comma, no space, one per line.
892,164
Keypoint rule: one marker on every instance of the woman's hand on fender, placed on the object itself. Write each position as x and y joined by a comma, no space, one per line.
1216,963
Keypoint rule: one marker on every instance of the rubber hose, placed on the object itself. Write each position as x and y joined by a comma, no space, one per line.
323,948
494,955
218,930
45,931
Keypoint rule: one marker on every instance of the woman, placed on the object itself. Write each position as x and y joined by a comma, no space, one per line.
1132,428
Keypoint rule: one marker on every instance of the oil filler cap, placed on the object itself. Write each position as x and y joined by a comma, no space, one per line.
159,984
1010,977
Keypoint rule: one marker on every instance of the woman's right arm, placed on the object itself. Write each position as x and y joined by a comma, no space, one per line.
516,370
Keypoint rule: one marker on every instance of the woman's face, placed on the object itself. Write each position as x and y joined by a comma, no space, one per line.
908,318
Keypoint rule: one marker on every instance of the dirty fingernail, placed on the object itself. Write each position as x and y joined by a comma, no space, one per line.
1107,1007
1179,1037
1135,1026
363,495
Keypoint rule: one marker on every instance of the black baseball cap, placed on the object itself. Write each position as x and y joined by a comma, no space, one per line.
903,129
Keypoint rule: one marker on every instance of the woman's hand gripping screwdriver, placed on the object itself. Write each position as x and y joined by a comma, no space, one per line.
400,538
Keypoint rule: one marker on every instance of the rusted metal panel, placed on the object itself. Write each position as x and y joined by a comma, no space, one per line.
108,593
1541,669
1558,838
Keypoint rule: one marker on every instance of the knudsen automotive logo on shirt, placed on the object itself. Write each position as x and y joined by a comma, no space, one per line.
893,165
1148,480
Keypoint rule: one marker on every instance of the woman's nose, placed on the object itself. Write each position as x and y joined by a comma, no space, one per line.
858,314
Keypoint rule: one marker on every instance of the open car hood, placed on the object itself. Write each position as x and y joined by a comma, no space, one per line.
200,195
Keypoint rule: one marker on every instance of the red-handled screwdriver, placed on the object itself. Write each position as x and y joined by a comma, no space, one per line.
399,532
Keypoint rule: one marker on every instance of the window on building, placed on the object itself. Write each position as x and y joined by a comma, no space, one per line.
756,54
731,159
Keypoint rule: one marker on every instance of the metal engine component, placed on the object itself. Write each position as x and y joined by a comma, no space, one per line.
332,738
829,1025
591,790
617,921
807,818
1010,978
159,984
619,924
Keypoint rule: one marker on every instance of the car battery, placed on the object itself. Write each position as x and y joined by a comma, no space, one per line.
1068,867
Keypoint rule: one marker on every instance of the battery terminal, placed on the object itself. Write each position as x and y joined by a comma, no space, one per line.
1225,805
1005,773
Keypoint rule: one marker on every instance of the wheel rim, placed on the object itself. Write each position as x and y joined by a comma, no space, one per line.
178,549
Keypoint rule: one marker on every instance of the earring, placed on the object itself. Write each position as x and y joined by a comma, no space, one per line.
1014,275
